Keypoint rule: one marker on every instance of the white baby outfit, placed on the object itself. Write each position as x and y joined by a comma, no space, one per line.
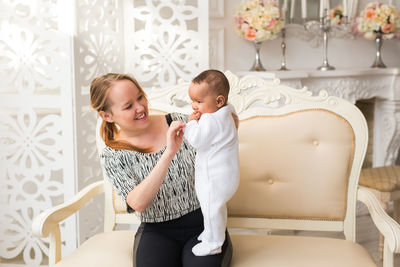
215,138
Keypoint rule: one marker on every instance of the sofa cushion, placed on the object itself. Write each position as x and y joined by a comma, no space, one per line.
103,250
296,165
299,251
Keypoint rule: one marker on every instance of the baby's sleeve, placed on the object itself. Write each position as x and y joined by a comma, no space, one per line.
201,132
232,108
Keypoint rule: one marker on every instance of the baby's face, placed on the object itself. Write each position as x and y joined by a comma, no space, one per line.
204,99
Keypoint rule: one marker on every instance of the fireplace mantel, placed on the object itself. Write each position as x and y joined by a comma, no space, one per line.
356,84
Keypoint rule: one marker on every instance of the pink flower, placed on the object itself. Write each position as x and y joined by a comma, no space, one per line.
370,14
332,14
239,20
387,28
272,24
376,5
251,34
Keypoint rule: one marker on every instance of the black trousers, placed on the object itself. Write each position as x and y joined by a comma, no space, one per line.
169,244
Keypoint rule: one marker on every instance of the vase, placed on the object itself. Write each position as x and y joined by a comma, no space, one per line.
378,63
257,66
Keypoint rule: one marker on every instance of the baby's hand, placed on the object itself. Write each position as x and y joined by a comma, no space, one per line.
194,116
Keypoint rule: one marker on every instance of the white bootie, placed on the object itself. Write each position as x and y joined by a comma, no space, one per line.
205,249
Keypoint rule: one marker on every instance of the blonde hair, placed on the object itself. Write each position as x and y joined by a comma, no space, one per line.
99,89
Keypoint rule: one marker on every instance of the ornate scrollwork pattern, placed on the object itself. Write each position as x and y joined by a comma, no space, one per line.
165,44
351,89
246,92
35,71
100,51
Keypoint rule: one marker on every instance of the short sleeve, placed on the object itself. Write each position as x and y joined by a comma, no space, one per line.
179,117
118,171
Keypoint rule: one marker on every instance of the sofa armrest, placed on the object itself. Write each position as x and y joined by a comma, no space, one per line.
43,224
388,227
46,224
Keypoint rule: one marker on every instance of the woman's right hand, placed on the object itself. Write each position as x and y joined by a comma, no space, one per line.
175,136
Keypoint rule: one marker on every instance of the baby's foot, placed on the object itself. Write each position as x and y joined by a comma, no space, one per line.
200,237
204,249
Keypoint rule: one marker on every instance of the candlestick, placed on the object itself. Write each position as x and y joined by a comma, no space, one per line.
326,27
327,5
283,48
344,8
353,12
284,8
304,9
292,6
321,8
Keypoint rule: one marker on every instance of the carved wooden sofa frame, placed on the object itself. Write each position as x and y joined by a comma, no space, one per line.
300,159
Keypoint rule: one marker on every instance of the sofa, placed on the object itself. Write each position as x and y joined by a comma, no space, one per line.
300,160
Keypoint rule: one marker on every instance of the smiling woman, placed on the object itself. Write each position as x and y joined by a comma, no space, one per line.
130,98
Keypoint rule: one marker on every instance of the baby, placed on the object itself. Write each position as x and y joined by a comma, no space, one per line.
211,130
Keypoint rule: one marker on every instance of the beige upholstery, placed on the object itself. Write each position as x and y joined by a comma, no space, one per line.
305,155
385,179
297,251
103,250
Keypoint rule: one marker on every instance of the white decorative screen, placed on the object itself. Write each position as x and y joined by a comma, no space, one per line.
166,40
98,50
36,124
50,51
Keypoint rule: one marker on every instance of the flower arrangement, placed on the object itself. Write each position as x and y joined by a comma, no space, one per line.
258,20
336,15
378,18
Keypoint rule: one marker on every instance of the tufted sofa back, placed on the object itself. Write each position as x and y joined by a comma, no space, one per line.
294,166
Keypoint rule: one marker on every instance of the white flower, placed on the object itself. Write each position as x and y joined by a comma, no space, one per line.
260,18
261,35
377,17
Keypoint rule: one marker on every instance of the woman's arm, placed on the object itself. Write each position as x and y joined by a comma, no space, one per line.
142,195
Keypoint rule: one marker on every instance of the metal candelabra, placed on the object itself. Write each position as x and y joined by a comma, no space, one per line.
325,26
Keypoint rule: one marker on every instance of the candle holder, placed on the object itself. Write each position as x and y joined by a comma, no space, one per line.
325,26
283,48
326,30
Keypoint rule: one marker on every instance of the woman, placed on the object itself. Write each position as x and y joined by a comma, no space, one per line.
152,168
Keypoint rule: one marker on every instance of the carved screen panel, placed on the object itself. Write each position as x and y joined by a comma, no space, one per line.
166,40
36,124
98,50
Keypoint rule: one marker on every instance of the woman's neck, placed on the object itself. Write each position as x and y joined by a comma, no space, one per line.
151,136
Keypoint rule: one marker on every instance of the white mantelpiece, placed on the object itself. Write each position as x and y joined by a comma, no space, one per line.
356,84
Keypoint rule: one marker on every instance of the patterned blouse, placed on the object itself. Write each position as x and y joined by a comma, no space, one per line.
176,197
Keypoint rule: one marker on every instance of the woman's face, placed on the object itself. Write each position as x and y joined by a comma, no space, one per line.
128,106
